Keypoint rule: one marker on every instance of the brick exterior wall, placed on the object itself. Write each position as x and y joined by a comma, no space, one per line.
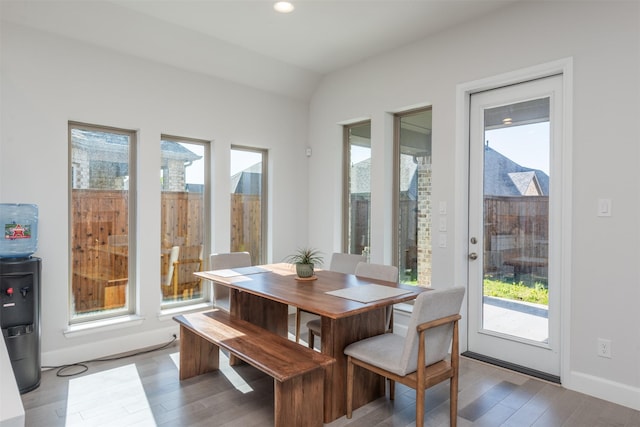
424,221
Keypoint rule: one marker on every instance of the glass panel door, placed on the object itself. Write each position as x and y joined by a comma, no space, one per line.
515,132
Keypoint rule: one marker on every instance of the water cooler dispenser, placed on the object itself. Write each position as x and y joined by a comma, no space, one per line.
20,318
20,293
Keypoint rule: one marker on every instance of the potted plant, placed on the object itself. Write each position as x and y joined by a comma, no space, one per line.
305,259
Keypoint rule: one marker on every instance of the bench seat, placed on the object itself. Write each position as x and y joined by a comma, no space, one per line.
299,373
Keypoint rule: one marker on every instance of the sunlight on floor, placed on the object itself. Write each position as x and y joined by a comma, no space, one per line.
114,397
232,376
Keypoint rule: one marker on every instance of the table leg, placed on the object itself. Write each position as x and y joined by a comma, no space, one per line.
336,335
270,315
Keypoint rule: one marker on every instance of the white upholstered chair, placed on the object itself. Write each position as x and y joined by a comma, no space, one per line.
419,360
345,263
342,263
227,260
388,273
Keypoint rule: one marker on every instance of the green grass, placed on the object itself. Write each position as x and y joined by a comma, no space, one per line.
537,293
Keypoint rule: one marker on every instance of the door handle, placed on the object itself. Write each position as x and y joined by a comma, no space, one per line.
473,256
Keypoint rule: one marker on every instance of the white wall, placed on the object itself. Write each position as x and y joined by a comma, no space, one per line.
48,80
603,38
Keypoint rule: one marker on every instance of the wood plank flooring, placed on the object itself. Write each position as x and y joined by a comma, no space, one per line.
144,390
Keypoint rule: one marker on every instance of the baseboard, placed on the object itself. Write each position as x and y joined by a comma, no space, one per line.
611,391
107,347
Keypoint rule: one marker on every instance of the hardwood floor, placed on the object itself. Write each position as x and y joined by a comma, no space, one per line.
144,390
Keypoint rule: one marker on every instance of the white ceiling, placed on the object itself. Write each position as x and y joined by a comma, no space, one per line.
246,41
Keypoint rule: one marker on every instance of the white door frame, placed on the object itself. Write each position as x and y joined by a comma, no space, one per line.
461,220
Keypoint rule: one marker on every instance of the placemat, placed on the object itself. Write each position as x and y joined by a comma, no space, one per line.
368,293
238,271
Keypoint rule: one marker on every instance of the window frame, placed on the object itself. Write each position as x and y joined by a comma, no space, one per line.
346,184
132,290
397,125
205,291
264,197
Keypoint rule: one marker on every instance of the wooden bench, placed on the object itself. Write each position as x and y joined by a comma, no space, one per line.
299,373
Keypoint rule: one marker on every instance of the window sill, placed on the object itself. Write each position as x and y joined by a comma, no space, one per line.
404,307
168,313
87,328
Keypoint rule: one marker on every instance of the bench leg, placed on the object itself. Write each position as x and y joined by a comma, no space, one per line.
299,401
197,356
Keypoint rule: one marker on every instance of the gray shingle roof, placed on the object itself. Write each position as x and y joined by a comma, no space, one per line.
504,177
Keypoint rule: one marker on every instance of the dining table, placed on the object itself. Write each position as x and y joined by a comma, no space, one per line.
351,308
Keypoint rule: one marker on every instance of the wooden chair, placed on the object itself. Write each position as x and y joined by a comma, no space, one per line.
419,360
388,273
222,261
168,279
342,263
189,261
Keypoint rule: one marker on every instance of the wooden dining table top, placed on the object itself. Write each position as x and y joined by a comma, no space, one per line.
279,282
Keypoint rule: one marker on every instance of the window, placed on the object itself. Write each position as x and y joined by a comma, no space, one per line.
357,188
412,148
184,172
248,202
102,184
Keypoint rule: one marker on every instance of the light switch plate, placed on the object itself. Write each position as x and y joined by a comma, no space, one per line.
604,207
442,208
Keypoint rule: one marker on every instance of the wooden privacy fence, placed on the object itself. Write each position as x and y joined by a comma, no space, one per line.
246,225
100,239
100,251
515,227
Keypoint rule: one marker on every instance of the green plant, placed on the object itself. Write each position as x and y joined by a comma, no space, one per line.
537,294
305,256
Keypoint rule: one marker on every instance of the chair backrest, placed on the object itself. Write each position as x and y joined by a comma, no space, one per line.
189,262
173,257
345,263
230,260
388,273
429,306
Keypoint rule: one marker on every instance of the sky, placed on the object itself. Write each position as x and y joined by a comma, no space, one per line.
240,160
527,145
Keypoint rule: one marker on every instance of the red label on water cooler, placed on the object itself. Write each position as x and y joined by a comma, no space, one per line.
17,231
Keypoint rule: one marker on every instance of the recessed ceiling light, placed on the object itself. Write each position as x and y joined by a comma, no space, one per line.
283,7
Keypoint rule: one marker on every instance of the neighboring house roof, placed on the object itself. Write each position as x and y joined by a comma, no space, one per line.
173,150
116,145
248,181
361,177
504,177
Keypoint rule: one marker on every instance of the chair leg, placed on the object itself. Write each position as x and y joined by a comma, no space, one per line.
298,325
420,405
311,339
392,389
349,387
453,401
